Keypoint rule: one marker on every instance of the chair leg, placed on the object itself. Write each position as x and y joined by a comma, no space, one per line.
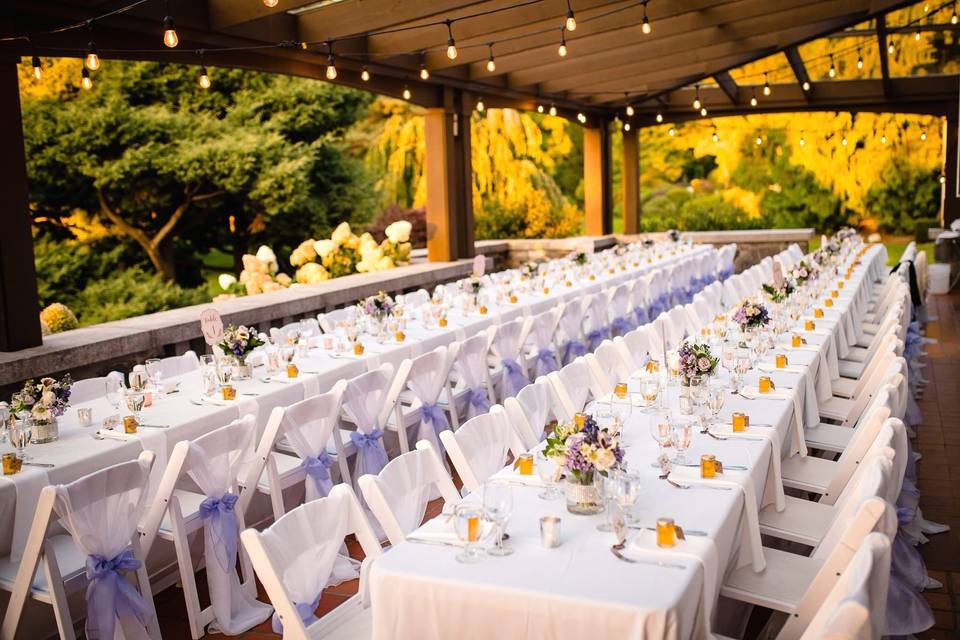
181,545
401,430
58,596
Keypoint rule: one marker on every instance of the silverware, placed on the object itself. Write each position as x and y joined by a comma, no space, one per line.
435,543
154,426
656,563
688,532
734,467
45,465
690,486
249,393
734,437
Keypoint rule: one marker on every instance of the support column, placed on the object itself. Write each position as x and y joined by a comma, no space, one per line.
596,180
449,180
19,302
950,193
630,178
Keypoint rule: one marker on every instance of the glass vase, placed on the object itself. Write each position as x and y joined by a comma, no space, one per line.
583,497
45,431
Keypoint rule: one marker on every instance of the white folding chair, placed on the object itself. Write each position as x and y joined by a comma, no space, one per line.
573,386
367,403
620,309
100,512
541,353
530,412
425,378
508,369
472,390
398,495
214,462
640,346
570,339
91,388
331,319
480,447
640,300
607,367
297,557
178,365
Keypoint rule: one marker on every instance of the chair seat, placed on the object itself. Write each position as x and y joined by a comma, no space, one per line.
828,437
349,621
70,560
807,473
189,507
837,408
780,586
869,327
287,467
858,354
345,443
844,387
850,369
802,521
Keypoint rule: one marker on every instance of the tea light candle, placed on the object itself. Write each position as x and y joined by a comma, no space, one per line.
85,416
400,336
129,424
708,465
740,421
835,294
810,325
358,348
483,310
546,291
579,419
11,464
569,284
796,341
666,532
620,390
828,302
550,532
442,321
818,312
292,370
766,384
229,393
781,361
524,464
513,299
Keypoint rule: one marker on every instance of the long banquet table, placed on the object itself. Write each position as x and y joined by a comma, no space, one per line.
581,589
77,453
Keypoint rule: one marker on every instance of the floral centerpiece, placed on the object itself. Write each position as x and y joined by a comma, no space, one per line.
531,269
673,235
46,401
378,306
473,285
778,294
751,315
696,361
240,341
580,257
584,452
802,272
259,275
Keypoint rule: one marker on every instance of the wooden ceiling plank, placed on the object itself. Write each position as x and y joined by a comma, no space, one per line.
224,14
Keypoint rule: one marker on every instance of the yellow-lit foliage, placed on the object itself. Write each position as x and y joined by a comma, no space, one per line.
59,76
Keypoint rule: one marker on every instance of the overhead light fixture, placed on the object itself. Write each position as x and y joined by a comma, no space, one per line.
766,85
270,4
645,24
696,99
571,22
451,44
424,73
562,49
491,63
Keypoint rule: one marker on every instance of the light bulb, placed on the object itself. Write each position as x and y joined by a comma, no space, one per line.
645,26
406,93
766,86
93,60
170,38
716,138
424,73
806,86
562,50
204,79
943,179
832,72
491,65
37,71
883,139
364,74
759,140
581,117
630,111
270,3
659,117
890,48
753,101
671,131
923,136
926,7
553,110
802,141
331,72
843,140
859,61
954,19
85,80
626,126
703,111
916,36
480,105
696,103
539,108
571,23
451,49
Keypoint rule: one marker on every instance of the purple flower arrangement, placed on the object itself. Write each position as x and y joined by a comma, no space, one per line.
45,400
750,315
378,306
583,451
239,341
696,360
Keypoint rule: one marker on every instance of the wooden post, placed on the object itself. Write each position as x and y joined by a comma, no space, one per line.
630,179
19,302
950,193
596,180
449,180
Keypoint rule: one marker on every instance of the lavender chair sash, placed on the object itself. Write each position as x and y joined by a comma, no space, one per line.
907,611
546,361
304,609
596,336
621,325
640,314
371,455
513,378
318,470
572,350
478,401
109,596
724,273
435,415
220,519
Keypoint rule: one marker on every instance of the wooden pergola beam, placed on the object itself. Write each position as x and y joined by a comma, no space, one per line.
224,14
729,86
799,70
884,58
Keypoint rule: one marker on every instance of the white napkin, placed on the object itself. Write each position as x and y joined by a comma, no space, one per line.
439,529
773,487
751,546
769,368
512,475
28,483
753,393
698,549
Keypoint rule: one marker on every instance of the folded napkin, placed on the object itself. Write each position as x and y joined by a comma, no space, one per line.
751,546
769,368
804,347
753,393
439,529
112,434
513,476
773,487
699,549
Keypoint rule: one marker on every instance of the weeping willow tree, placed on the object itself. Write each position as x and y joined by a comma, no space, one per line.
513,156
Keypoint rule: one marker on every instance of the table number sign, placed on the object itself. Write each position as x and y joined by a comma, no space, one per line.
211,326
777,275
479,265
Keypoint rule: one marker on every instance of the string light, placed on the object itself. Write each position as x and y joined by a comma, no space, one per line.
645,25
85,80
923,136
539,108
204,79
406,92
331,71
671,132
480,105
92,60
491,64
451,44
630,110
716,136
802,141
890,47
759,140
953,18
703,111
943,179
364,73
170,38
883,139
833,69
659,117
553,110
916,35
424,73
860,58
582,118
571,22
270,3
753,99
766,85
806,85
37,70
843,140
696,99
626,126
562,50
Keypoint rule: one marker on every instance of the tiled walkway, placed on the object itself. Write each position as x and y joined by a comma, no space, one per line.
938,473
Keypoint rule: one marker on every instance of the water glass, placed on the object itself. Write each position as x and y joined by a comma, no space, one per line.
626,493
115,390
498,505
547,471
660,429
681,433
20,433
135,400
155,373
225,368
649,391
467,519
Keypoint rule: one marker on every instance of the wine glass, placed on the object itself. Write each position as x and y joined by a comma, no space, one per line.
681,433
608,485
626,494
115,390
20,433
155,372
467,520
498,504
660,429
649,391
715,396
547,471
224,369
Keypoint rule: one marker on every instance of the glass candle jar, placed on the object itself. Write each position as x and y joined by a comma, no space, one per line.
524,464
129,424
292,370
708,465
666,532
229,392
739,422
796,341
810,325
765,384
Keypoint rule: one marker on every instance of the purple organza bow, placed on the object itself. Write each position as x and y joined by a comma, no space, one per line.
110,596
318,470
437,417
221,520
573,349
621,325
373,457
478,400
304,609
513,378
596,336
641,315
546,361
